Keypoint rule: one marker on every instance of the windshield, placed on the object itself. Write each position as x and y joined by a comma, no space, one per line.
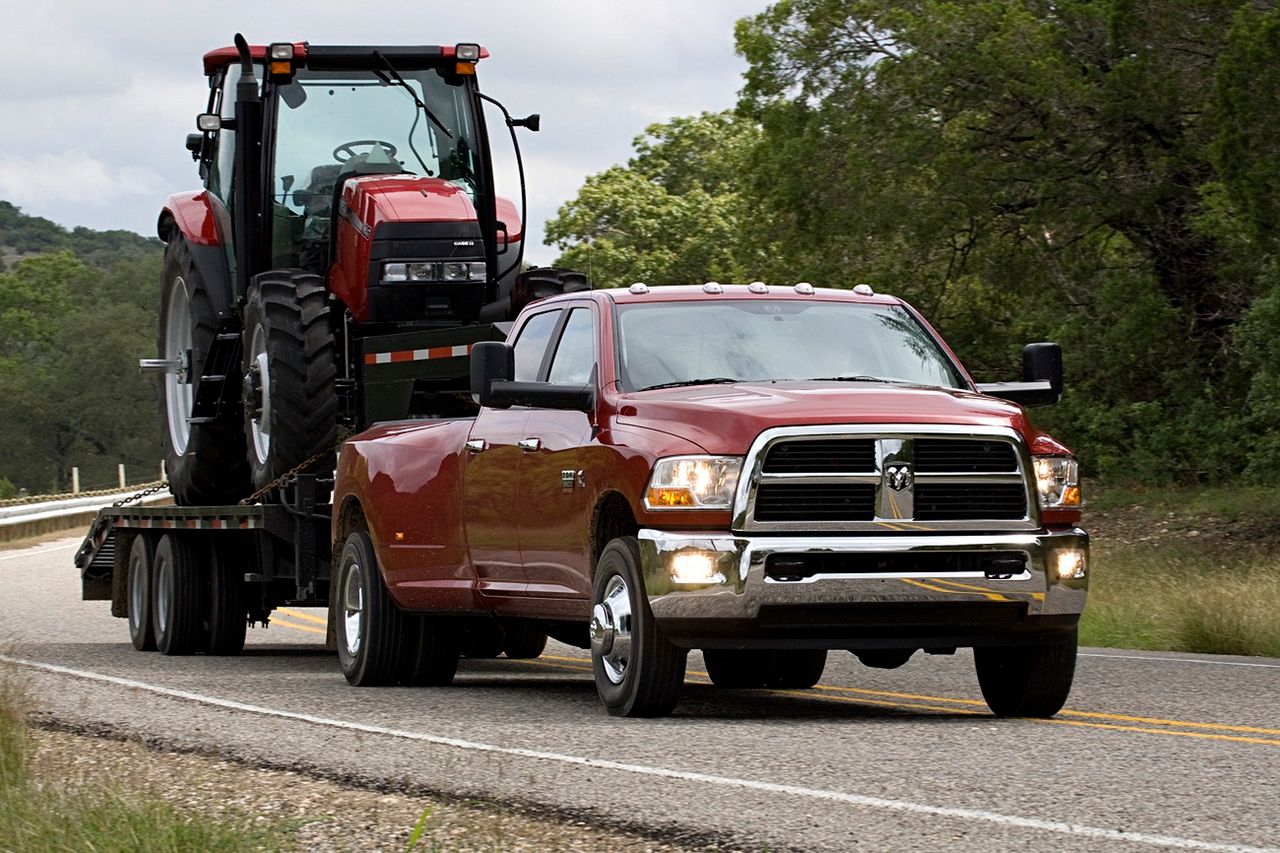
329,123
740,340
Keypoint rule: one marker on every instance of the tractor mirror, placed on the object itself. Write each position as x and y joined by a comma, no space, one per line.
209,122
491,361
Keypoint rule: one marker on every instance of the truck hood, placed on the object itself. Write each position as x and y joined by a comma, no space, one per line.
725,419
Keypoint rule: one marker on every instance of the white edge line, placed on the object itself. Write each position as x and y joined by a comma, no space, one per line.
665,773
1180,660
31,553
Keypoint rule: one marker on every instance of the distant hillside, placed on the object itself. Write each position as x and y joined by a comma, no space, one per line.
23,236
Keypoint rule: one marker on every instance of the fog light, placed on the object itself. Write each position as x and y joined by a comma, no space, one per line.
1071,565
694,567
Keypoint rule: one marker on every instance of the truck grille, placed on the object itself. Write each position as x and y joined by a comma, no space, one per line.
935,479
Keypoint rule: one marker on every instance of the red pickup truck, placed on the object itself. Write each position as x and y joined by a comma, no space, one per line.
764,473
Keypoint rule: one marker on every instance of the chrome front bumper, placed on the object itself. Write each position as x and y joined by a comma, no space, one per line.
740,589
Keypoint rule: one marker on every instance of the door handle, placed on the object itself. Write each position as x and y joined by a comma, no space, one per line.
530,445
477,445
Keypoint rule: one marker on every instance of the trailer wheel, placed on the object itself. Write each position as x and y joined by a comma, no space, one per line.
205,461
176,608
371,629
739,668
431,652
797,669
523,641
1027,681
638,671
138,594
290,367
227,615
483,639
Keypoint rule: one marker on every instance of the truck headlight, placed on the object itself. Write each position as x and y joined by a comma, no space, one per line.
1057,482
693,482
450,271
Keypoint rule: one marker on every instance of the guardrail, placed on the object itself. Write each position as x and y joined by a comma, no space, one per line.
49,516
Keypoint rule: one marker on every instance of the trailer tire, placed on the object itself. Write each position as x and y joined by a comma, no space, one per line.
431,652
205,462
177,612
290,370
1027,681
523,641
797,669
138,593
739,668
638,671
227,615
371,628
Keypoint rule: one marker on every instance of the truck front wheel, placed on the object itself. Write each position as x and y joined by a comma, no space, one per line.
1027,681
371,629
638,671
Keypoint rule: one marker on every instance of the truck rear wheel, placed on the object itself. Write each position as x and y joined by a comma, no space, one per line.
141,557
290,366
204,461
522,641
797,669
371,629
430,657
739,668
226,612
176,613
1027,681
638,671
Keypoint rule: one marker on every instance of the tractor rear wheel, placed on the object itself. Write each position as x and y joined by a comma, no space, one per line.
204,461
290,367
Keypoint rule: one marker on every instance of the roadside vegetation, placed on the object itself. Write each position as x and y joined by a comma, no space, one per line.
35,818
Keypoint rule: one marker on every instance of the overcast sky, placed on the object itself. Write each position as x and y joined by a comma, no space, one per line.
98,97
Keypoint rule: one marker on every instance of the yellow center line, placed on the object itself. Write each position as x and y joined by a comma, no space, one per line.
306,617
981,589
284,623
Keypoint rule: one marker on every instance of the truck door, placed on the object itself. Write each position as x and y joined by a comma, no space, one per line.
553,502
492,470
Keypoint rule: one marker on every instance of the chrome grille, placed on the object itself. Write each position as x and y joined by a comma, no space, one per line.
901,479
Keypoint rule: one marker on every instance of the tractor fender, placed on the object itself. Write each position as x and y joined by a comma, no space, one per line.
193,215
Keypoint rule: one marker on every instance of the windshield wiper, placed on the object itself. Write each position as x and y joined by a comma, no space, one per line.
853,379
422,106
715,380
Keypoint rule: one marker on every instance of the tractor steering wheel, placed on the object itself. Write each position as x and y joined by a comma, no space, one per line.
346,150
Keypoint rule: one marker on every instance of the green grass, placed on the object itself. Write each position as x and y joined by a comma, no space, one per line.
53,817
1176,597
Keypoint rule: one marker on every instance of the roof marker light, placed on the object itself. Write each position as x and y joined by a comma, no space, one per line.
712,287
804,288
758,287
639,288
864,290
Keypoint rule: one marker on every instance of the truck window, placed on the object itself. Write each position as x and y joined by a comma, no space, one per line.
531,346
576,353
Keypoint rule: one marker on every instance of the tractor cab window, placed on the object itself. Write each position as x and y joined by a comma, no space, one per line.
332,124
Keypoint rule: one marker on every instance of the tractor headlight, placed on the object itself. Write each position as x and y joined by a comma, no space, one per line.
1057,482
693,482
448,271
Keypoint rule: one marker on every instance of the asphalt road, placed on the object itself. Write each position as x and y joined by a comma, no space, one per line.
1154,750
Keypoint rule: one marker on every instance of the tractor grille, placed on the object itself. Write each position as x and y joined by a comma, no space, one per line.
884,482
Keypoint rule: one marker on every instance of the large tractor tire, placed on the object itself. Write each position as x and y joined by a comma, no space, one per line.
205,462
290,366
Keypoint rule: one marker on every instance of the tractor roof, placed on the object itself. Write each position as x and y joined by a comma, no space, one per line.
350,56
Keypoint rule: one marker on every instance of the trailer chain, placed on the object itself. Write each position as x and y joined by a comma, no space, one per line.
343,435
142,494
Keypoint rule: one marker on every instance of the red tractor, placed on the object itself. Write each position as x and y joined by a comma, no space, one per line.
345,252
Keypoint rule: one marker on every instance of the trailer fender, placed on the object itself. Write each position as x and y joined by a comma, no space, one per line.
195,216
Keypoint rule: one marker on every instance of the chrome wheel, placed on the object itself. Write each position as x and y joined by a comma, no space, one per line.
178,393
611,629
137,593
259,399
352,608
164,591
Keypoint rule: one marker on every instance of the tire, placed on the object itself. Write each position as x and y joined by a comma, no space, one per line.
739,668
205,463
290,367
226,614
1027,681
371,628
176,610
884,658
523,641
483,640
431,652
797,669
638,671
138,594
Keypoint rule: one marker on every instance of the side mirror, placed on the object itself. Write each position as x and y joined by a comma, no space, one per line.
542,395
209,122
491,361
194,143
1041,383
